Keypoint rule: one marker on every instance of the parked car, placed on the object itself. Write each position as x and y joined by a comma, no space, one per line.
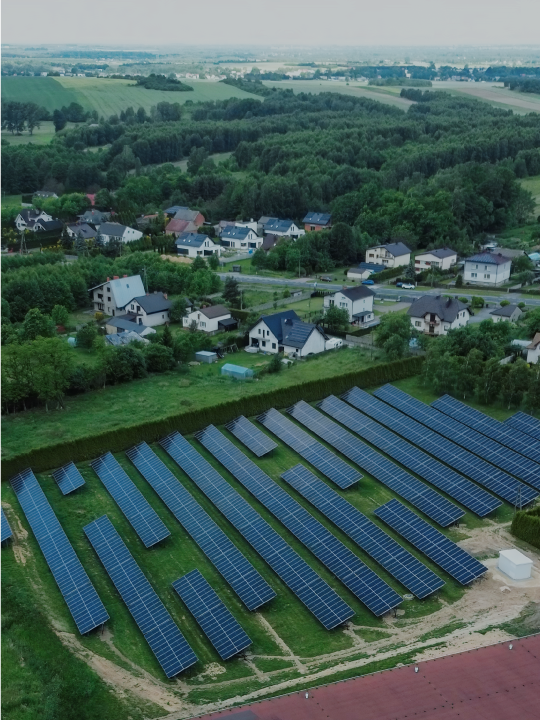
408,286
325,278
368,282
399,284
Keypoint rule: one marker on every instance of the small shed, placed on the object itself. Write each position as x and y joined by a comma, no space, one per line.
236,371
72,341
206,356
515,564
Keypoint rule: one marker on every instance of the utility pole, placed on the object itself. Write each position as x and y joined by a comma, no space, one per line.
24,249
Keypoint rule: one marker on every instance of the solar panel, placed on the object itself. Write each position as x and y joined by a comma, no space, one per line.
457,563
342,562
398,480
159,629
5,530
406,568
457,457
251,436
312,450
247,583
302,580
216,621
68,478
142,517
484,447
498,431
83,602
525,423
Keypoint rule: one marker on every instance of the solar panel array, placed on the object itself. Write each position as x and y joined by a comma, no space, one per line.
142,517
398,480
68,478
248,584
216,621
457,563
498,431
443,477
525,423
377,595
461,434
251,436
304,582
159,629
458,458
400,563
5,530
80,595
342,474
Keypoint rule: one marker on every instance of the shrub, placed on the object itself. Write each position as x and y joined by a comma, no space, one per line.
159,358
275,365
86,335
526,526
477,302
504,303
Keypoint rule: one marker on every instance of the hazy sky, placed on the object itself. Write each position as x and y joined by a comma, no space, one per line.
279,22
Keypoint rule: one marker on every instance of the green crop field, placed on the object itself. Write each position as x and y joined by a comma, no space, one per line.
357,89
532,184
41,135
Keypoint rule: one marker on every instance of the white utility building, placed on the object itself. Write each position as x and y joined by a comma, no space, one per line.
515,564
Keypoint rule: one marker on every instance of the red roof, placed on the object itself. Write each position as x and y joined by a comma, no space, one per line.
490,683
180,226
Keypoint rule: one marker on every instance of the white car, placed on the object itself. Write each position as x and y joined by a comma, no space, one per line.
408,286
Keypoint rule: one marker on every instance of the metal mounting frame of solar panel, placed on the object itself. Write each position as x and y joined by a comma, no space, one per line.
398,480
461,434
214,618
247,583
170,647
327,462
527,424
81,597
363,582
457,457
504,434
140,514
68,478
400,563
5,529
300,578
450,557
258,442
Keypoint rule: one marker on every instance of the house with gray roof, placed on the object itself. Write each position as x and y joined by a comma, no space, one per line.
28,217
125,323
211,319
240,238
194,245
282,228
357,301
508,313
436,315
115,231
95,217
151,309
284,332
78,229
184,213
364,270
112,296
442,259
390,255
315,221
487,268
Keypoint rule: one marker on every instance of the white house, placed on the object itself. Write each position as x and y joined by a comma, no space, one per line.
390,255
227,224
47,226
83,230
442,259
278,227
151,309
193,245
119,325
26,219
240,238
435,315
508,313
285,332
358,301
113,295
213,319
533,350
488,268
364,270
115,231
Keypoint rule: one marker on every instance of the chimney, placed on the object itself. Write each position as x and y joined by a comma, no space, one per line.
165,296
108,279
155,292
115,277
125,275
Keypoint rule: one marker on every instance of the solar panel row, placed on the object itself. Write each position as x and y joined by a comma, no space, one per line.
68,478
251,436
406,568
443,477
216,621
342,474
461,434
526,424
248,584
398,480
457,563
80,595
304,582
457,457
342,562
159,629
5,530
142,517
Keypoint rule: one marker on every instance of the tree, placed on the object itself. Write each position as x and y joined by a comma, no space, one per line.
410,272
159,358
54,362
178,310
59,120
515,383
199,263
86,335
60,315
393,334
124,363
213,262
532,399
336,318
477,302
36,324
167,338
80,245
231,292
66,241
459,281
532,322
275,365
33,116
342,246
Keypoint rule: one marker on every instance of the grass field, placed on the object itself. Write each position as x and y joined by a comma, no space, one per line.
357,89
532,184
493,93
41,135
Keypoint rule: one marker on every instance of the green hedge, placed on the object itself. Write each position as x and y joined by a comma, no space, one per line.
51,456
388,274
526,526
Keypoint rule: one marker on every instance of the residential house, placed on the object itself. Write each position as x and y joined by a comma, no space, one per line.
177,227
285,332
116,231
44,195
48,226
533,350
27,218
269,241
487,268
184,213
358,301
390,255
364,270
510,252
212,319
240,238
123,324
435,315
508,313
113,295
94,217
228,224
317,221
193,245
83,230
442,259
279,227
151,309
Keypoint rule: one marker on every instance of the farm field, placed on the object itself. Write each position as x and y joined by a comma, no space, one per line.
493,93
357,89
532,184
41,135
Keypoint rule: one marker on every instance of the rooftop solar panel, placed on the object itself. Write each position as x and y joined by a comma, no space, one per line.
142,517
216,621
68,478
159,629
5,530
404,566
457,457
398,480
83,602
525,423
248,584
457,563
251,436
342,474
302,580
368,587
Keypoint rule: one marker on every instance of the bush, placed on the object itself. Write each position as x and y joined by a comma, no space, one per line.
459,281
275,365
504,303
86,335
477,302
159,358
526,526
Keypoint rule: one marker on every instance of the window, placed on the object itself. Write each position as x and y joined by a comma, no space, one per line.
264,343
273,346
476,267
418,323
100,296
486,277
108,299
202,324
163,317
474,275
343,304
133,307
312,227
485,267
259,331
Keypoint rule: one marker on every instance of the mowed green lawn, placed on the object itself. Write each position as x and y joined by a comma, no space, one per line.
532,184
41,135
